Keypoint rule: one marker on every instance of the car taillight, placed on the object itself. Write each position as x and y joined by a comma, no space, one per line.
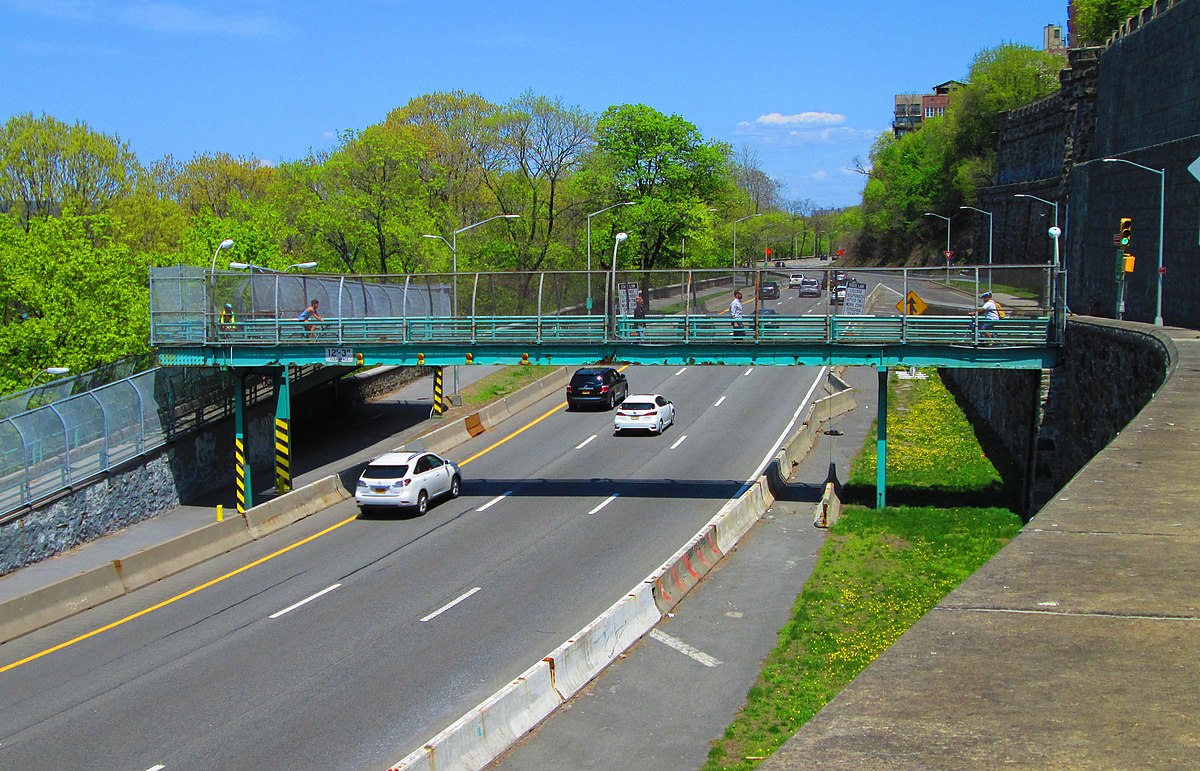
603,389
406,483
568,389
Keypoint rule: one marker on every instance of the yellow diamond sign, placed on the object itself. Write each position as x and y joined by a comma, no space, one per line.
912,305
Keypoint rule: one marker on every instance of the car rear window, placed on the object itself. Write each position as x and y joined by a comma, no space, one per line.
384,472
583,379
637,406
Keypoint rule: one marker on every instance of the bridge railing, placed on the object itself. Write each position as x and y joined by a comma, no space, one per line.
867,306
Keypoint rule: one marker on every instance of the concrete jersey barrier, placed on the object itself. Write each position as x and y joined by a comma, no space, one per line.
473,741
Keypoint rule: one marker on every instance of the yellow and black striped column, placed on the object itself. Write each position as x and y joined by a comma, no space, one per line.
283,433
245,495
439,395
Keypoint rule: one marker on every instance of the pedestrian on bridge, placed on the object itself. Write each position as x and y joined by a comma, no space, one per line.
990,312
639,318
736,315
310,314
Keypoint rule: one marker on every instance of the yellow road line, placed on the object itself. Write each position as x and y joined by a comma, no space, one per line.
256,563
176,598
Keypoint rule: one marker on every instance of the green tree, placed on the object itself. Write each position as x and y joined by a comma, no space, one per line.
71,295
1096,20
665,166
48,167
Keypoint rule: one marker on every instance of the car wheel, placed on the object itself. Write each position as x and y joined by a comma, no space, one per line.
455,487
570,406
612,400
422,503
660,427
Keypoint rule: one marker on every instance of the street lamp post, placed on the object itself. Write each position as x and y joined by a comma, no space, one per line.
1055,232
48,371
613,299
947,253
453,244
589,248
735,224
989,216
1162,206
228,242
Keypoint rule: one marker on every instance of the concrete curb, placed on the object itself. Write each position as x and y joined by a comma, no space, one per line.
22,615
473,741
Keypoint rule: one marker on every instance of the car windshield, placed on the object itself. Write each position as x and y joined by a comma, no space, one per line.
637,406
385,472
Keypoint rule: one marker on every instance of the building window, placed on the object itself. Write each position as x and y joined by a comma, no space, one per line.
928,112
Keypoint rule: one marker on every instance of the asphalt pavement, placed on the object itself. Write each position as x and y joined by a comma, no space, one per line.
669,696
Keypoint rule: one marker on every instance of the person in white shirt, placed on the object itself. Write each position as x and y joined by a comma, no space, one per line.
990,312
736,315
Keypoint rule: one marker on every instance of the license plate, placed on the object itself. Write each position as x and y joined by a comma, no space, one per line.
380,490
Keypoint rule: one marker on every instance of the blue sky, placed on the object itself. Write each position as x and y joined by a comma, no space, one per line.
806,86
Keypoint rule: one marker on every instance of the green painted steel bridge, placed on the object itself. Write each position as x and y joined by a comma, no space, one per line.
252,322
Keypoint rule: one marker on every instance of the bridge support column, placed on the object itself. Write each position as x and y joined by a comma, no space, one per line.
881,440
283,431
241,465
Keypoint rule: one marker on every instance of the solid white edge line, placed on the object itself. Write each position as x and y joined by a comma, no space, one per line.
680,372
450,604
718,404
684,648
305,601
679,441
607,501
583,444
494,501
786,429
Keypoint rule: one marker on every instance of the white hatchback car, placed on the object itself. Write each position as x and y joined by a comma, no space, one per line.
646,412
408,479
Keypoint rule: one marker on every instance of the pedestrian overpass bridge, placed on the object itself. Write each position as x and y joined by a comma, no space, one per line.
249,322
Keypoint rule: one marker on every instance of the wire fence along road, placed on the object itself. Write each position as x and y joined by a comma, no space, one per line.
686,306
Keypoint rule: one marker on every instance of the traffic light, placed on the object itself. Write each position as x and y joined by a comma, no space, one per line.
1126,230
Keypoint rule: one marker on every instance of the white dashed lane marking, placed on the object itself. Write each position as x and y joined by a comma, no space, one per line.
305,601
607,501
450,604
494,501
679,441
718,403
584,443
684,648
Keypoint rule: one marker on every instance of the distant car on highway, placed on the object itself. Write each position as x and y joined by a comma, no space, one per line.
840,278
408,480
837,295
810,287
769,290
795,280
645,412
600,386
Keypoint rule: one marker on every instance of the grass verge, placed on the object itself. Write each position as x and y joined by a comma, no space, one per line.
879,571
501,383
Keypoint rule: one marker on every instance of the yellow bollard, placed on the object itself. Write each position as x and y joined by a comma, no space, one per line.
220,512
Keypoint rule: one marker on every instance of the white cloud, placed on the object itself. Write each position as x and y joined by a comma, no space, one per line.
803,118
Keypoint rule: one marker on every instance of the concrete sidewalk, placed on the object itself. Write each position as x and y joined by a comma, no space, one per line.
1076,646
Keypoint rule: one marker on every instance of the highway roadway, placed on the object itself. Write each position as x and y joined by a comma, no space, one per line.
344,642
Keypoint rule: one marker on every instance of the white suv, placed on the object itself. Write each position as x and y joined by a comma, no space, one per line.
408,479
795,280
